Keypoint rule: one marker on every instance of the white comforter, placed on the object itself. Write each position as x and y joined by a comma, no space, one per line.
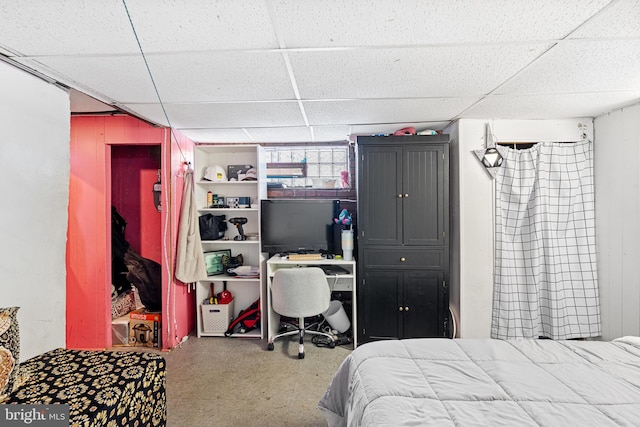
467,382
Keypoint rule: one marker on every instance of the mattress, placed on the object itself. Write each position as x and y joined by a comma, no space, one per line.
467,382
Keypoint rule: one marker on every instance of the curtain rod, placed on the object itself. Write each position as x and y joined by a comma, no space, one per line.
530,142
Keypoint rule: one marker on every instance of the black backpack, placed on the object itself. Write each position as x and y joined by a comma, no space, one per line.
247,319
130,268
212,227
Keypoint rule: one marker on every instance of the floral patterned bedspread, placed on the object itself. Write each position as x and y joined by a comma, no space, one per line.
102,388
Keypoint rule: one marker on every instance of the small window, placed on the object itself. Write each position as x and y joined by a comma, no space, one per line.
322,166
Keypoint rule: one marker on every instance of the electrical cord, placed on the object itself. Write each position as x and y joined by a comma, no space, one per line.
454,322
335,282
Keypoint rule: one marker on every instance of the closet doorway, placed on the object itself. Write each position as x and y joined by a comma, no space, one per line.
135,184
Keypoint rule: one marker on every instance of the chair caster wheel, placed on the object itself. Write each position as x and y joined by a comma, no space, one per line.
332,344
270,346
300,355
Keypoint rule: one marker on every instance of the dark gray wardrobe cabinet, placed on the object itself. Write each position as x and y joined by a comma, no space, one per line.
403,236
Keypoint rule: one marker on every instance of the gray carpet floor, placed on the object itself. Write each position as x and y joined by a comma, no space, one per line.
215,381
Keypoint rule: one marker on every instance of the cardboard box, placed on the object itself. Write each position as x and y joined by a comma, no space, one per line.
120,330
144,314
145,328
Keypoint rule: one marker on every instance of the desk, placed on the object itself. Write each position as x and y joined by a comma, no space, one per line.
339,282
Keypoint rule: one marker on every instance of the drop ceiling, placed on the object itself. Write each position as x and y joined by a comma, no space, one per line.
315,71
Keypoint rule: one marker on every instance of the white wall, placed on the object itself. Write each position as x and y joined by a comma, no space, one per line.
617,182
34,184
472,211
472,235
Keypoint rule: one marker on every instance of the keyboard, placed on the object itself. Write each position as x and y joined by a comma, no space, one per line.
305,257
332,269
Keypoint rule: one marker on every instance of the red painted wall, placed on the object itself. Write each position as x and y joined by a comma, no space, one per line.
88,235
183,306
87,292
134,171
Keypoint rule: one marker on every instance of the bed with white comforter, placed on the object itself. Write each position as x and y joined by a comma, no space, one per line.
467,382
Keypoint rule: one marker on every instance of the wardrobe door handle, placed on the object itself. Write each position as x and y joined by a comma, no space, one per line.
406,195
406,309
400,308
400,196
403,259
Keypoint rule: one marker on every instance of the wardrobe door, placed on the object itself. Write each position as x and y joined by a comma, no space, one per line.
423,195
380,304
423,304
381,199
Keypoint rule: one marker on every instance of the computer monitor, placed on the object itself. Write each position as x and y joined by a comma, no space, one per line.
297,225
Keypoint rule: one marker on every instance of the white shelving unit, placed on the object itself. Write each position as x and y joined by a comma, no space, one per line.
244,290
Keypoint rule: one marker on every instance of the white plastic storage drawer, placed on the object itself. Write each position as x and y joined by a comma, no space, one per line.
216,317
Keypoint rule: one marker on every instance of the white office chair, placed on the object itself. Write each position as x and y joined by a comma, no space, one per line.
300,293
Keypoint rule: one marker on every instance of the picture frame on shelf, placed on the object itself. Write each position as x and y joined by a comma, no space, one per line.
213,261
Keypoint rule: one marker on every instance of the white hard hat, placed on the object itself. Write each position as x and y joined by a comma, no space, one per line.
215,174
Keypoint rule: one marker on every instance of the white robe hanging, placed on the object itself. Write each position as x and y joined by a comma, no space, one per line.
190,264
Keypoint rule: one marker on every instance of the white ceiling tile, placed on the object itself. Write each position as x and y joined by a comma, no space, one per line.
280,134
272,135
581,66
384,110
330,133
119,78
311,23
225,115
37,27
170,25
230,76
556,106
620,19
217,135
371,66
233,76
412,72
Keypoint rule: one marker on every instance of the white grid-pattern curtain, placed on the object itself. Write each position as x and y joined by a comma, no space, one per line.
545,277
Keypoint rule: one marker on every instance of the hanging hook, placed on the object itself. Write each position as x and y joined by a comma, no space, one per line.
184,168
488,137
491,157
